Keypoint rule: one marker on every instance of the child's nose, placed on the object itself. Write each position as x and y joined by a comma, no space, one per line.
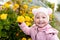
40,19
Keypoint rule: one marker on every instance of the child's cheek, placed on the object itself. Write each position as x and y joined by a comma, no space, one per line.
46,21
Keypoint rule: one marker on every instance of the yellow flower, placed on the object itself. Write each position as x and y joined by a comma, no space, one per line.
51,17
3,16
27,18
24,38
29,0
28,23
21,11
3,6
15,6
25,6
29,39
31,19
7,4
20,19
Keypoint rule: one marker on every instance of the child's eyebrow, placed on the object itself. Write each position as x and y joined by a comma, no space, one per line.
45,15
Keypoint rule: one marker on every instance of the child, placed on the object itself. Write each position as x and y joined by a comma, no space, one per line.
41,29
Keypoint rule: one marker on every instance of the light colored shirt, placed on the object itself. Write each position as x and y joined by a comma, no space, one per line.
46,33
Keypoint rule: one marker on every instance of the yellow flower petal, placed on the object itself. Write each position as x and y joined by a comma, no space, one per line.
27,18
7,4
20,19
51,16
29,0
28,23
25,6
15,6
24,38
3,16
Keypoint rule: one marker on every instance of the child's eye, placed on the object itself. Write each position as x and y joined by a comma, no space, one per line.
43,17
37,17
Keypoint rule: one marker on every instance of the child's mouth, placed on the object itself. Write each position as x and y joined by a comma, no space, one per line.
40,23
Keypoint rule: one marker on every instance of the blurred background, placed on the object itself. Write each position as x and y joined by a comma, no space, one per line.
12,10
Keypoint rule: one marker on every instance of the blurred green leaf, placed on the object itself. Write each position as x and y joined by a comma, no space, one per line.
7,27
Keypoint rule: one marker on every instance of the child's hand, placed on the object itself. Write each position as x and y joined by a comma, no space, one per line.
20,19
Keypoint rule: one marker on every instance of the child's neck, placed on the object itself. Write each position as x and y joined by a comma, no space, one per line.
43,28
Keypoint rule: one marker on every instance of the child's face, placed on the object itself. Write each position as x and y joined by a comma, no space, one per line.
41,19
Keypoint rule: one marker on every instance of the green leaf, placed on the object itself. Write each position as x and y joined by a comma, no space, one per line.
7,27
1,27
4,34
0,33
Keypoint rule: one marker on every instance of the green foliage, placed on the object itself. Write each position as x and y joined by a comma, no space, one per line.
58,9
9,27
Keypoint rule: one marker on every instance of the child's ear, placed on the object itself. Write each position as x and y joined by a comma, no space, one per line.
49,11
34,11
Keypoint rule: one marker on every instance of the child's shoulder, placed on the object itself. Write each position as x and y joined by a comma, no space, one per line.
52,30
